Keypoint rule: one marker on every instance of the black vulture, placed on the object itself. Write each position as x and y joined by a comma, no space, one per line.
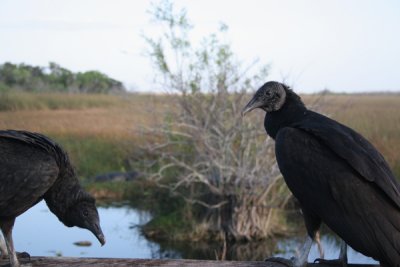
32,168
338,177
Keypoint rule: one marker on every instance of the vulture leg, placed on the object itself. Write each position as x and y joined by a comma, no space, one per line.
6,228
342,261
312,223
300,260
319,245
3,248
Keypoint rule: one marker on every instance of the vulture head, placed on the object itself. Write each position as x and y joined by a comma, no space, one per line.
270,97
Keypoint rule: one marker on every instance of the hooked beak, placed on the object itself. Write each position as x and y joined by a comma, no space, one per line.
253,104
96,230
101,239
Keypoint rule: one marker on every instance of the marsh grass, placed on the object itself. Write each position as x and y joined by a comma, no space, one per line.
96,155
101,132
18,100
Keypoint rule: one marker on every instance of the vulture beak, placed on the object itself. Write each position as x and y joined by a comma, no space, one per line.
101,239
253,104
96,230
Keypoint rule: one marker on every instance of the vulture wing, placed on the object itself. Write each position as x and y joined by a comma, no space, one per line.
27,171
360,154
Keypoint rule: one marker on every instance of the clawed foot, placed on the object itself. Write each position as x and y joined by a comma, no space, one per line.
283,261
338,262
23,255
20,255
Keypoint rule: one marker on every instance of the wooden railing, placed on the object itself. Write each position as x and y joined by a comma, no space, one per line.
75,262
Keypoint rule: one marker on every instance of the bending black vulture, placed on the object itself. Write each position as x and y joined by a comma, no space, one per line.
338,177
32,168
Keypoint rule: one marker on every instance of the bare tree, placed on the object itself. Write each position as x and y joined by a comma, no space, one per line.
216,160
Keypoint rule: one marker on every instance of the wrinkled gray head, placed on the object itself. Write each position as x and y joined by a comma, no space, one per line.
84,215
270,97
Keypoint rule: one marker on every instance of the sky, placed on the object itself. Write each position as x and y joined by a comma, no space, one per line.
340,45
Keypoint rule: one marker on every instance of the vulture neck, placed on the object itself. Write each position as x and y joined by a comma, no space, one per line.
293,110
64,193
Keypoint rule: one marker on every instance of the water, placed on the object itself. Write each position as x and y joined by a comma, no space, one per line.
39,233
330,245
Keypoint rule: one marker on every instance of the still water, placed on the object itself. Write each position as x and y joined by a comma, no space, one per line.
39,233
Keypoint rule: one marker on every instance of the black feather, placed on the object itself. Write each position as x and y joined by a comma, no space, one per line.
339,178
32,168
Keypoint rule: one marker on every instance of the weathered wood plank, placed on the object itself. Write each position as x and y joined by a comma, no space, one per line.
81,262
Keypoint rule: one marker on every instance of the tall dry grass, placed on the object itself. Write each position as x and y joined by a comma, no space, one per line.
117,119
100,132
109,116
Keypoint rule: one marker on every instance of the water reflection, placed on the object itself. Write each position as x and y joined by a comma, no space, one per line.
331,245
39,233
212,251
258,251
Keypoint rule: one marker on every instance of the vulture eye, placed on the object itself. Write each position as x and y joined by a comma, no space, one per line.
85,213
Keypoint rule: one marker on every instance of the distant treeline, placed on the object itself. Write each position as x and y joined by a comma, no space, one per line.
55,78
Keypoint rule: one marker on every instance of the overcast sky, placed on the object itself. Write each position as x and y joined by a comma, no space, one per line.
340,45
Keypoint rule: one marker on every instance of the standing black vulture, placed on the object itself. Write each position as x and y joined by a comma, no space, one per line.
338,177
32,168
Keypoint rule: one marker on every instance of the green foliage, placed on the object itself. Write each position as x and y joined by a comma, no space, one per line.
113,188
92,155
168,211
56,78
186,68
168,226
148,195
95,82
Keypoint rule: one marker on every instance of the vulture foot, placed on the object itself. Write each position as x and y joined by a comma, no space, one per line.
337,262
23,255
289,263
23,258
